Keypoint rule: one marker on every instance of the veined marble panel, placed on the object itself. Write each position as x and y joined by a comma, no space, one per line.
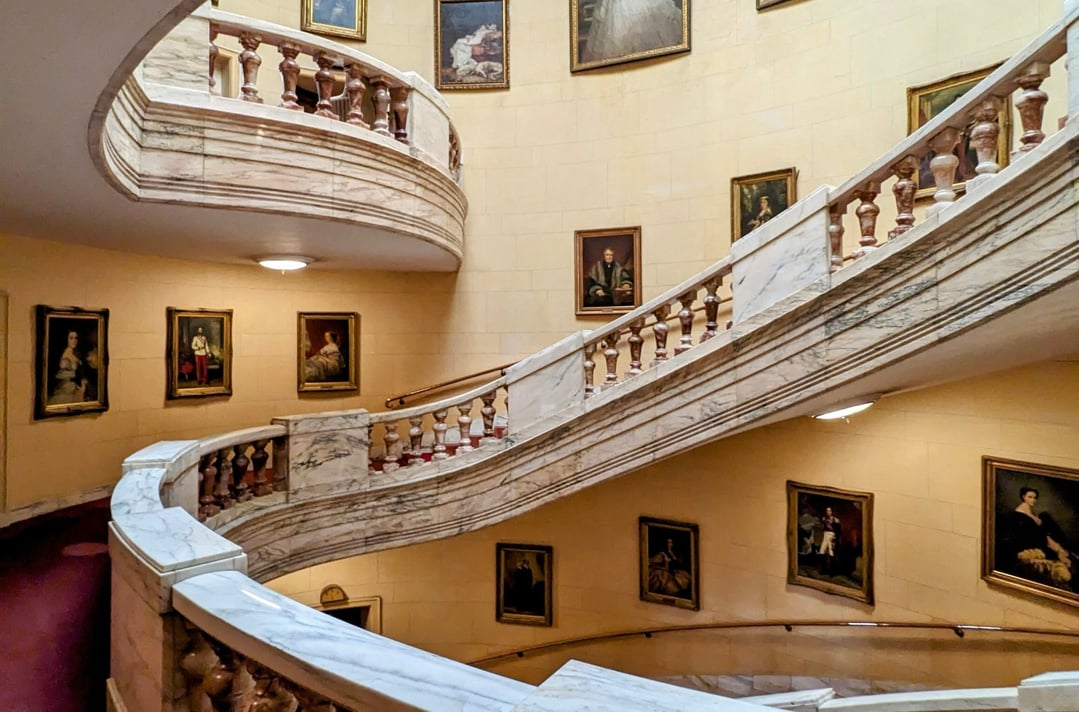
799,701
173,455
327,453
990,699
138,492
1050,692
181,58
171,539
542,384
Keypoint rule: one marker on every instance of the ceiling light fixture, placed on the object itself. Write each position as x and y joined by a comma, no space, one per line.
851,407
285,263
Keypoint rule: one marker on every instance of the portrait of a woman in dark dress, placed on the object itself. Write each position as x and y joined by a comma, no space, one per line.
1031,544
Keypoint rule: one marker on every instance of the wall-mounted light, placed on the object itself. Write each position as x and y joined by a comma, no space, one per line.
849,408
285,263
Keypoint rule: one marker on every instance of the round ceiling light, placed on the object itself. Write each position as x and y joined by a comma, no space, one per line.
285,263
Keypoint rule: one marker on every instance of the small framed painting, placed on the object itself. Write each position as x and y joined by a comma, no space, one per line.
199,353
927,101
523,578
830,540
607,270
1030,528
71,361
758,198
328,356
336,18
668,563
472,44
608,32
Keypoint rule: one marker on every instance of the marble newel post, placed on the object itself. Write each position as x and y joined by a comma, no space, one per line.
547,383
179,59
327,453
1071,12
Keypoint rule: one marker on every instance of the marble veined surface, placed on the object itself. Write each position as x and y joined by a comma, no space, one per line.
990,699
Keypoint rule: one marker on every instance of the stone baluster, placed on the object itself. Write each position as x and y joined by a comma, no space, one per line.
270,694
310,701
455,155
392,441
984,138
589,369
836,213
355,87
250,61
440,435
464,423
214,52
207,502
685,318
228,684
222,495
943,166
659,331
711,308
290,74
382,105
259,458
240,462
324,84
636,341
1031,104
610,354
415,439
196,661
867,212
904,191
488,413
506,405
371,458
280,464
399,97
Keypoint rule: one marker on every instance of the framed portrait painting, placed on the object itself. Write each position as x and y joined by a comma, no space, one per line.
336,18
757,198
71,361
607,268
328,358
668,563
199,353
1030,528
927,101
830,540
608,32
472,44
524,584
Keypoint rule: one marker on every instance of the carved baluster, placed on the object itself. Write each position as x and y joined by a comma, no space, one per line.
506,405
659,331
904,190
636,341
259,458
228,684
455,155
290,73
399,96
241,492
440,435
415,439
393,447
488,413
310,701
250,61
355,88
984,137
280,464
1031,104
214,52
711,308
270,694
207,502
943,166
196,661
867,213
835,235
222,495
464,422
324,84
589,369
371,459
382,105
685,317
610,354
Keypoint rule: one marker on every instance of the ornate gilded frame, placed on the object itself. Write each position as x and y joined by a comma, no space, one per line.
653,534
357,31
180,361
91,326
508,557
312,324
446,11
781,187
580,16
588,250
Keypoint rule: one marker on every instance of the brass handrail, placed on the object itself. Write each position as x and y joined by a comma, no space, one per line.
959,629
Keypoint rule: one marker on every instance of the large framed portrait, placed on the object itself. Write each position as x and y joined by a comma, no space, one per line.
668,563
1030,528
607,267
757,198
336,18
71,361
927,101
524,584
830,540
199,353
328,358
472,44
607,32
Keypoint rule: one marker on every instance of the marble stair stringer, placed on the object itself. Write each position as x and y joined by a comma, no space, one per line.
924,308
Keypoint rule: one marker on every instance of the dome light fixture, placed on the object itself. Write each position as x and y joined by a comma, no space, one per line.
285,263
843,411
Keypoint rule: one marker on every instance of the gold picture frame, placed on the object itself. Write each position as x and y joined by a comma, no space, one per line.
472,44
757,198
669,563
592,248
335,18
596,40
928,100
328,356
830,540
71,361
198,355
1030,528
523,578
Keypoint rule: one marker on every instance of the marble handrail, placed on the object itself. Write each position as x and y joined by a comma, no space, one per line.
987,699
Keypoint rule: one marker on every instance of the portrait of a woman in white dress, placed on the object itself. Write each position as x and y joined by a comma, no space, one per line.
71,361
612,31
